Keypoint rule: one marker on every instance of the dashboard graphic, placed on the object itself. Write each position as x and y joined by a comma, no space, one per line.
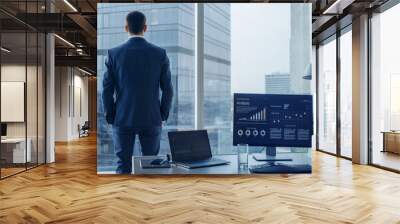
273,120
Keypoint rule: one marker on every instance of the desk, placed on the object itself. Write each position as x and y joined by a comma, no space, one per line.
232,168
13,150
391,141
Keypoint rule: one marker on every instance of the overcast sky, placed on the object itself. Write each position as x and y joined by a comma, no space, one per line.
259,44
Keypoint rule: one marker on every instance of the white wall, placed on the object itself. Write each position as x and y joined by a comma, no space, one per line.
12,73
71,102
9,73
33,126
61,103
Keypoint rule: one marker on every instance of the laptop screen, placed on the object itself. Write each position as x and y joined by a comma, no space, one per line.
187,146
3,129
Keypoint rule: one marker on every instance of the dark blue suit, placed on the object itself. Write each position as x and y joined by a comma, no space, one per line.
135,73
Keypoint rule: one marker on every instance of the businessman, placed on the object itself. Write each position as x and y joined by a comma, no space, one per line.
135,73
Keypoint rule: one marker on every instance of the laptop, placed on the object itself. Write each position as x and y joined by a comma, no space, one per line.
3,131
191,149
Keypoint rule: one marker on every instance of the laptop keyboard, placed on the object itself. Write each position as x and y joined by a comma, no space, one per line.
200,161
205,163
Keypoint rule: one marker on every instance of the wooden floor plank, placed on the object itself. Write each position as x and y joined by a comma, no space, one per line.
70,191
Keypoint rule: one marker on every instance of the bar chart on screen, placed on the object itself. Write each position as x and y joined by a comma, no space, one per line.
260,115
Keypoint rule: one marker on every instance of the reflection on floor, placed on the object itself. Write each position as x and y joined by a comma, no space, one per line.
387,159
70,191
12,169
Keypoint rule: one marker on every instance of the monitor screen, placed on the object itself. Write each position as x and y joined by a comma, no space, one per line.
273,120
3,129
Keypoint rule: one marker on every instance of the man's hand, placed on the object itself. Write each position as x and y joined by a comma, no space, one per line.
163,123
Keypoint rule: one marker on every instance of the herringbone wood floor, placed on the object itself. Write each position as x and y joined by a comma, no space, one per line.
69,191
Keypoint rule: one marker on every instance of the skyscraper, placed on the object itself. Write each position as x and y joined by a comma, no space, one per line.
217,76
300,51
277,83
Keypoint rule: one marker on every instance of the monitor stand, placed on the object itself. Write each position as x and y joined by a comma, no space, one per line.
270,156
273,167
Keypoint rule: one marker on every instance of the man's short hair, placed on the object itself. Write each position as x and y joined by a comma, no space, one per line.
136,21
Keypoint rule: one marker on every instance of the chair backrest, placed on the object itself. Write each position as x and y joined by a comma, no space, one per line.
86,125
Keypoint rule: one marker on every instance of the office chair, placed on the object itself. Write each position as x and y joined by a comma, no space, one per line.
84,130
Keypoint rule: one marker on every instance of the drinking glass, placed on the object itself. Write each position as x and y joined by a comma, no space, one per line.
243,159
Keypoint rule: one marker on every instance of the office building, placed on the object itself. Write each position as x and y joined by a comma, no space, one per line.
53,127
299,64
277,83
217,76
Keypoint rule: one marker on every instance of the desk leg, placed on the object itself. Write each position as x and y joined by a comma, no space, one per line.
384,143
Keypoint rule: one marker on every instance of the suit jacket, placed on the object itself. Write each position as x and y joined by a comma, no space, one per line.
135,73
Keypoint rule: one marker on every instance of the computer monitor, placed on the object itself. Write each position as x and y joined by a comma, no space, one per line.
3,129
273,120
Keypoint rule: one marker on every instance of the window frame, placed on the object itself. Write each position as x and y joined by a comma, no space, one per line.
334,37
43,40
379,10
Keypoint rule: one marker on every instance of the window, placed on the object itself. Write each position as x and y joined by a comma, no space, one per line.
217,76
385,83
279,63
327,96
346,94
171,26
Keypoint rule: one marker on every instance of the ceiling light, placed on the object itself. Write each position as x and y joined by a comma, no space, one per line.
70,5
65,41
326,11
84,71
338,6
79,51
5,50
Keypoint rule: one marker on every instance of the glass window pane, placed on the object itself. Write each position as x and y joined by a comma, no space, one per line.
170,26
327,97
13,87
247,59
32,98
346,94
385,89
41,99
217,114
22,63
250,69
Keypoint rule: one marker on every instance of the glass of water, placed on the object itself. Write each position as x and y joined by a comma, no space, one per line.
243,159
